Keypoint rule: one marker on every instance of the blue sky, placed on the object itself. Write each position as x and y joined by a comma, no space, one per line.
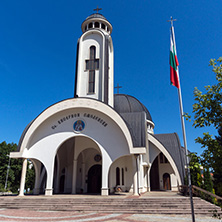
38,50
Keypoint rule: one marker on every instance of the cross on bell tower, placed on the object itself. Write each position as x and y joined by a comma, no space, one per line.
97,9
92,64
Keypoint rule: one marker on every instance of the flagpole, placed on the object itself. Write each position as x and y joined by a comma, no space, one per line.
186,152
183,129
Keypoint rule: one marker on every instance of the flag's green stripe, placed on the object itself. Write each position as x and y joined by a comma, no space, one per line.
172,61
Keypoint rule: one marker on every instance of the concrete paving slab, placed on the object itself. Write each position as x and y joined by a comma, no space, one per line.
45,216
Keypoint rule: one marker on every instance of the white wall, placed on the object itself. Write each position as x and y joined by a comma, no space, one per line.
124,163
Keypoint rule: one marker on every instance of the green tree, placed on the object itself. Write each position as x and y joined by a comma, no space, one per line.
207,111
208,183
30,177
195,170
14,171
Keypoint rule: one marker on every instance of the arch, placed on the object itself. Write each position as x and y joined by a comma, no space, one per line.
40,176
90,25
70,104
77,164
42,142
96,24
162,149
120,172
87,158
103,26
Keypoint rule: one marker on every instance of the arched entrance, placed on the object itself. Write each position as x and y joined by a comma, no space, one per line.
154,175
95,179
166,181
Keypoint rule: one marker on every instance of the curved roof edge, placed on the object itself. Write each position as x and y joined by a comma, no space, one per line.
172,143
82,98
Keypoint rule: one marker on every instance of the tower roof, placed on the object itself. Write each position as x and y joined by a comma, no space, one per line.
96,15
96,21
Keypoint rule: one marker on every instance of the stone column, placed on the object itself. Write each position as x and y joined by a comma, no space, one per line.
22,183
135,177
141,174
56,185
50,173
37,178
106,163
83,176
148,178
74,177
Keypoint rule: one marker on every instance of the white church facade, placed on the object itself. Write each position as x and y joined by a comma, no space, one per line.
98,142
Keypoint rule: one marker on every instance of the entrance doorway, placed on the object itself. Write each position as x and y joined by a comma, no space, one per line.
154,175
95,179
62,184
166,181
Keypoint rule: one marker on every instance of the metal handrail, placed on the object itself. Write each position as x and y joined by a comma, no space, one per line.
196,191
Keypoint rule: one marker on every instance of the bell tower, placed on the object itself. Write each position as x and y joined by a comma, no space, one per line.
94,61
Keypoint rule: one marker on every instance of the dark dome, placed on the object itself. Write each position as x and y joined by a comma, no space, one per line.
96,15
128,104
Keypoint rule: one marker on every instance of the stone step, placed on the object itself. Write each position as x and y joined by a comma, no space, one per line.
101,201
131,211
122,205
179,205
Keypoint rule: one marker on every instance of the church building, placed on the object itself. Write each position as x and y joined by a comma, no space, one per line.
98,142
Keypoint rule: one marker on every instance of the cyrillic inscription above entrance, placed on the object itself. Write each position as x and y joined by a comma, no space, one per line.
78,115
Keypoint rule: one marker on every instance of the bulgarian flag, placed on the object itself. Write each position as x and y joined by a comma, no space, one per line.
174,75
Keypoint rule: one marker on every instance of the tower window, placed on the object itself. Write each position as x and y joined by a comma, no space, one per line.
85,27
90,25
103,26
91,65
96,25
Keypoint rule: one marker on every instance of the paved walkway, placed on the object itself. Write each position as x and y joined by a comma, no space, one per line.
44,216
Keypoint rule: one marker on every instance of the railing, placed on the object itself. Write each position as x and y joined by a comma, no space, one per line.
199,192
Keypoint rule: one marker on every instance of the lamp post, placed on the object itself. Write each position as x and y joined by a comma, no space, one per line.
6,180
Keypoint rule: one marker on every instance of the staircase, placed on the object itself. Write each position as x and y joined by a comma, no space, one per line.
110,204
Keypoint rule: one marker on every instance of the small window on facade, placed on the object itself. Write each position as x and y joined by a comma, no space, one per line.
96,25
122,176
117,176
103,26
90,25
107,29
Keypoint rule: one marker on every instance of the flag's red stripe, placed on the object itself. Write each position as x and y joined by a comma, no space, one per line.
174,78
176,60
